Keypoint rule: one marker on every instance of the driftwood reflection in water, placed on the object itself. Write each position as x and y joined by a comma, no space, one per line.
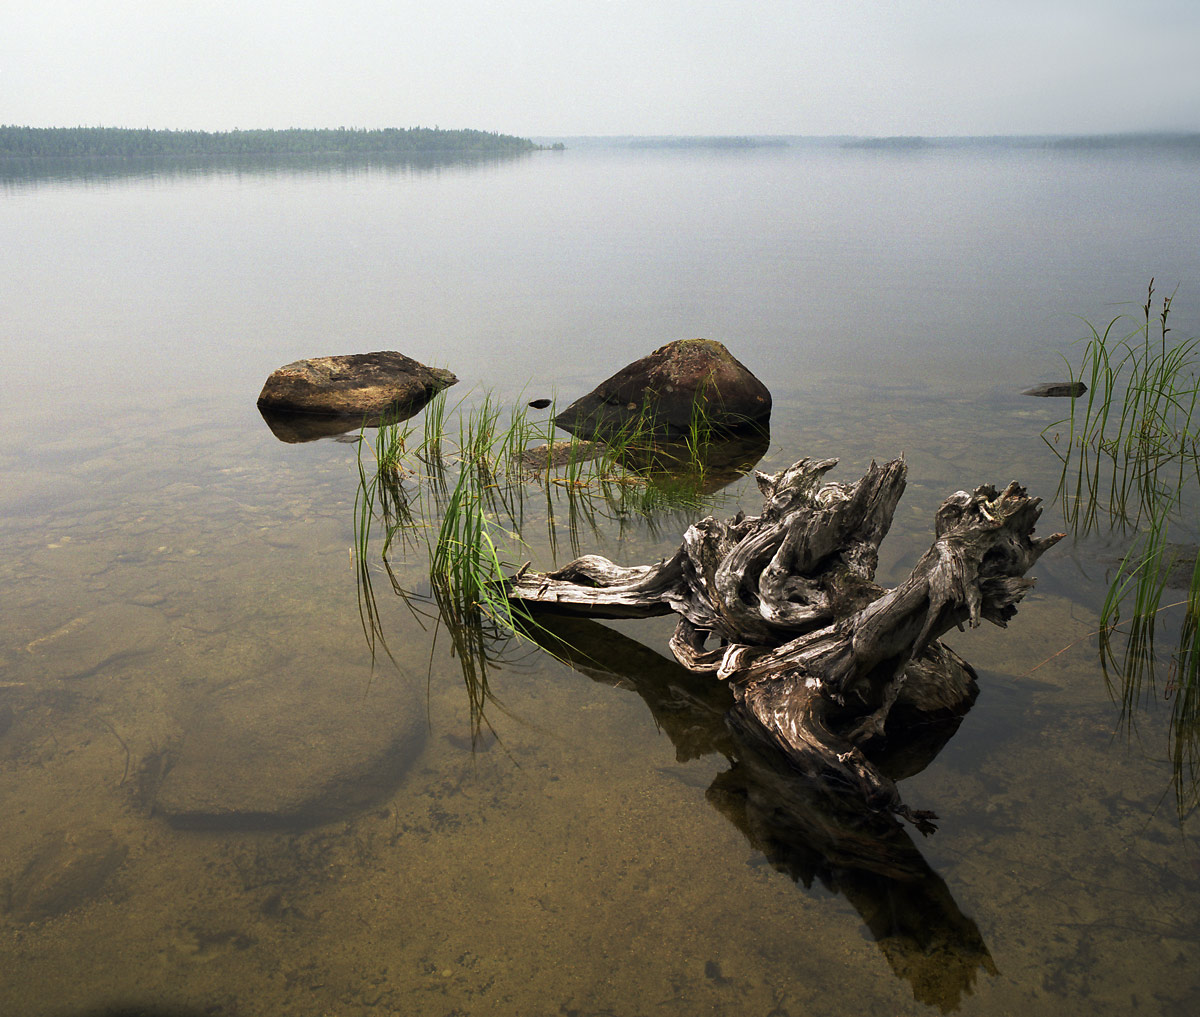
803,826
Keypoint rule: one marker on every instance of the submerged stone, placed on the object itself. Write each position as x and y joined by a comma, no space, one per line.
670,389
107,636
560,453
69,871
353,385
292,751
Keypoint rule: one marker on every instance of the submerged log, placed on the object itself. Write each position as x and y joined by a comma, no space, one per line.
784,607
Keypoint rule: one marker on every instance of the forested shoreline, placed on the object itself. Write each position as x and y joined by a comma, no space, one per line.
123,142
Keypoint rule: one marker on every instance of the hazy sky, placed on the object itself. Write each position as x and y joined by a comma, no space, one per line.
547,67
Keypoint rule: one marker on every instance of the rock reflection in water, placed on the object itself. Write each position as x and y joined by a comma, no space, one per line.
298,428
802,826
715,463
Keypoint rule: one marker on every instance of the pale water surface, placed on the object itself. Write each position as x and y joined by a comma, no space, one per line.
180,634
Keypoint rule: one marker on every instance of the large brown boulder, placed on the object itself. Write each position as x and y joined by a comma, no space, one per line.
666,389
353,385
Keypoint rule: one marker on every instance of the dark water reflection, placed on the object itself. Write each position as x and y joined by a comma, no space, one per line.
299,428
22,173
802,826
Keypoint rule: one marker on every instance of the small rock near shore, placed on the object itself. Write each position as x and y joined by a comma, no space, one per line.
1057,389
354,384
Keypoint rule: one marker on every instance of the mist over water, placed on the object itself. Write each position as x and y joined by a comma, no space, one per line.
809,260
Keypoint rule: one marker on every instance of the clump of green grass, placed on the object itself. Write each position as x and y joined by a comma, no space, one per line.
1131,466
391,446
467,570
461,505
700,431
1131,443
431,451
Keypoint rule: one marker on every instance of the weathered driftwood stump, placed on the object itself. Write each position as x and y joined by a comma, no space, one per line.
783,606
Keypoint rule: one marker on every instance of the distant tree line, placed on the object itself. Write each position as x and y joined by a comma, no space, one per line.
92,142
891,143
1184,142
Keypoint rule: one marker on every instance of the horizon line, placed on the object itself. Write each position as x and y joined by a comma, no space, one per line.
1115,133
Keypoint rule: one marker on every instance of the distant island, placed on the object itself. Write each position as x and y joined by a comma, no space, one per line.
1166,141
892,144
123,142
116,147
705,142
1178,141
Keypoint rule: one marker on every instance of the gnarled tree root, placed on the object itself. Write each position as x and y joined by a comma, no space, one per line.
783,606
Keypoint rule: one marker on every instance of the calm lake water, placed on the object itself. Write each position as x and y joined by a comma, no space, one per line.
214,803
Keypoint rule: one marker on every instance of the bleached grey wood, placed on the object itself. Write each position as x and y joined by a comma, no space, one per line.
784,607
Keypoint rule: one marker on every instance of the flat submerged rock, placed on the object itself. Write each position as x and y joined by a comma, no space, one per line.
69,871
91,642
292,751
